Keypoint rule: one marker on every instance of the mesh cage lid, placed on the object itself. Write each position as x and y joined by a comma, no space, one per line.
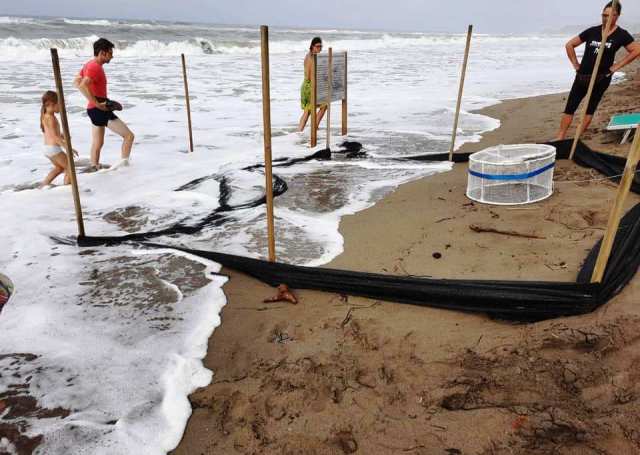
506,155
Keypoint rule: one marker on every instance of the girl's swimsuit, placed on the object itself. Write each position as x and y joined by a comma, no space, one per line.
51,150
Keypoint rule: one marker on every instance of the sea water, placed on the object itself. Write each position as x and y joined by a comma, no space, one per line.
110,340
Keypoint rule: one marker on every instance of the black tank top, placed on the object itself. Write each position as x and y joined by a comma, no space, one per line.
592,37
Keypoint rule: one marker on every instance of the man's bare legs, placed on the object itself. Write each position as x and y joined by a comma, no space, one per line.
121,129
565,123
97,141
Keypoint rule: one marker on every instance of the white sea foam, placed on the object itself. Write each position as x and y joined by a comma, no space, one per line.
13,47
16,20
98,22
124,364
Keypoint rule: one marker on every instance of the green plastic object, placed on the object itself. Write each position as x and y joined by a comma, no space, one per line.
624,121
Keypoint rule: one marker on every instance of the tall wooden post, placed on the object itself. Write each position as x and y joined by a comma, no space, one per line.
186,95
266,116
460,90
592,82
616,210
67,137
329,94
314,101
344,100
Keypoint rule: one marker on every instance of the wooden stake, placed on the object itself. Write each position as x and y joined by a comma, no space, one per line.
314,100
592,82
266,116
329,93
186,96
616,210
67,137
344,100
460,90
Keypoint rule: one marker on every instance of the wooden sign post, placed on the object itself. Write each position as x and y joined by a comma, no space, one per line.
266,117
186,96
67,137
616,210
344,100
314,100
460,90
592,82
329,104
324,92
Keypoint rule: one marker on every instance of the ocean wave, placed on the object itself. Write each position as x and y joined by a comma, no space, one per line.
82,46
13,47
20,48
120,23
98,22
8,20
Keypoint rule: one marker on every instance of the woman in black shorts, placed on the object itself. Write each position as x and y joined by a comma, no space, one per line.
592,37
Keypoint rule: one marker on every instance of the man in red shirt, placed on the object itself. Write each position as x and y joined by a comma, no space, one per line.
92,83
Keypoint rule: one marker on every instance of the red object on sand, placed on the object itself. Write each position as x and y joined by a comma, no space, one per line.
519,422
284,295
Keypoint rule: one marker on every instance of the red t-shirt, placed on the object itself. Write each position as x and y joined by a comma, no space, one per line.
94,71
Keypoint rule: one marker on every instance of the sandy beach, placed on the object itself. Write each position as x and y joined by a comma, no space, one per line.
338,374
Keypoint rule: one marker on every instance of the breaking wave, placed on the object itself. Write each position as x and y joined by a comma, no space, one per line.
10,20
82,46
99,22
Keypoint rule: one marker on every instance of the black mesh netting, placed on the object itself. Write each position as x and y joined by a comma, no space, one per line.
515,300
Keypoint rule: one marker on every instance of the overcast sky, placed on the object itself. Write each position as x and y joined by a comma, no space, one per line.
413,15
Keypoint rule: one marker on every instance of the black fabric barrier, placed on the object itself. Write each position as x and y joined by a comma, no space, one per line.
223,213
513,300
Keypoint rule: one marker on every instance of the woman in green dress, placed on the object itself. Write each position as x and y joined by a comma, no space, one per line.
305,90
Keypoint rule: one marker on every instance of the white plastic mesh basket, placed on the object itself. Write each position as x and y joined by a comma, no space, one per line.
511,174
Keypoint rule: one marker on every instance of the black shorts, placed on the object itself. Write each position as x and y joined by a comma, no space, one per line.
100,118
579,91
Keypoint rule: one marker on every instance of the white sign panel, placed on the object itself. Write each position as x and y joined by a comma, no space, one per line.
339,89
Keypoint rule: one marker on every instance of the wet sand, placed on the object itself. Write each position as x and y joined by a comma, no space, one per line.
337,374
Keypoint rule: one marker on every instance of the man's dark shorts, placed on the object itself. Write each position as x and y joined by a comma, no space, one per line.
579,91
100,118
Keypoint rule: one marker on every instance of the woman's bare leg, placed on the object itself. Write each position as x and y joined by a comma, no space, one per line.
321,112
303,121
565,123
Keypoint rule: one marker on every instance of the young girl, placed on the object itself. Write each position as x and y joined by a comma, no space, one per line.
53,139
